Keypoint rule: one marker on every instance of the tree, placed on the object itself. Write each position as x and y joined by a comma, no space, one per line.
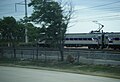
33,32
8,25
20,32
53,18
11,30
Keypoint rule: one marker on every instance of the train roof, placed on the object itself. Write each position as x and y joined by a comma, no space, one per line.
92,33
112,32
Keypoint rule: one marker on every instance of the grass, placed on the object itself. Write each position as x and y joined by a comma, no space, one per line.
99,70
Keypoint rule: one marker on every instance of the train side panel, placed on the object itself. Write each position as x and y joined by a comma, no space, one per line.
114,40
81,39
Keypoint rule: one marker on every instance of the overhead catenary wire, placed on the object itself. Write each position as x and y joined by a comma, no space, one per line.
101,10
97,6
101,18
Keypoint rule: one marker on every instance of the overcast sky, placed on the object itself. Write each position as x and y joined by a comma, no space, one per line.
106,12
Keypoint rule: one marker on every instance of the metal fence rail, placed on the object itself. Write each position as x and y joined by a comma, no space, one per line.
80,56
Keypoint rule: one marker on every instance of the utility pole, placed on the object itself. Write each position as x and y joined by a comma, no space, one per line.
26,20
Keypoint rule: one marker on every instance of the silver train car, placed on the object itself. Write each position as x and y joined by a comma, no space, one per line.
113,40
90,40
93,40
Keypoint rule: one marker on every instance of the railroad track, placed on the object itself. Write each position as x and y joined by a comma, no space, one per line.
94,50
65,49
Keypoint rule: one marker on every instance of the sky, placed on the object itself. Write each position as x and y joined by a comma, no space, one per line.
105,12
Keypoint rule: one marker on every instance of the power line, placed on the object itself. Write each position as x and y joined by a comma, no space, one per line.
103,10
102,18
26,17
99,5
94,15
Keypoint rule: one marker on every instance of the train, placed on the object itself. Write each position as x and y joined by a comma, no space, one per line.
93,40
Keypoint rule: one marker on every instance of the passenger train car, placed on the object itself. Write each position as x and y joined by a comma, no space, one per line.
81,39
114,40
93,40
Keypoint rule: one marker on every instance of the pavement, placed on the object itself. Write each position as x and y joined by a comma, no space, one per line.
15,74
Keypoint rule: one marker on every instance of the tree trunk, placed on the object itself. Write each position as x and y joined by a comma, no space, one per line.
62,55
14,51
61,50
1,53
37,53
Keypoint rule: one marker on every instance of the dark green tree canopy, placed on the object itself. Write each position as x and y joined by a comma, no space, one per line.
8,25
52,19
49,14
11,30
46,12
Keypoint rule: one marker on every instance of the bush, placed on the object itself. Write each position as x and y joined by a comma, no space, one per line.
70,59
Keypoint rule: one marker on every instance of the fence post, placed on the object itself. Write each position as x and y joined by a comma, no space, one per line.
78,56
1,53
58,56
33,54
45,56
14,51
21,54
37,52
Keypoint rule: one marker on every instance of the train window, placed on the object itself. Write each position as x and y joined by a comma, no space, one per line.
75,38
84,38
71,38
116,39
66,38
110,41
89,38
80,38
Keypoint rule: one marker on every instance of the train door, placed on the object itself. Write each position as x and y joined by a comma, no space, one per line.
102,40
106,41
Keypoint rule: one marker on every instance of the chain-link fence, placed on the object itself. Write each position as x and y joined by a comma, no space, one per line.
45,54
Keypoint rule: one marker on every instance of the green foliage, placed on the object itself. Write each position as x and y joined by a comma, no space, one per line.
70,59
45,11
53,20
11,30
33,32
20,32
7,27
49,14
